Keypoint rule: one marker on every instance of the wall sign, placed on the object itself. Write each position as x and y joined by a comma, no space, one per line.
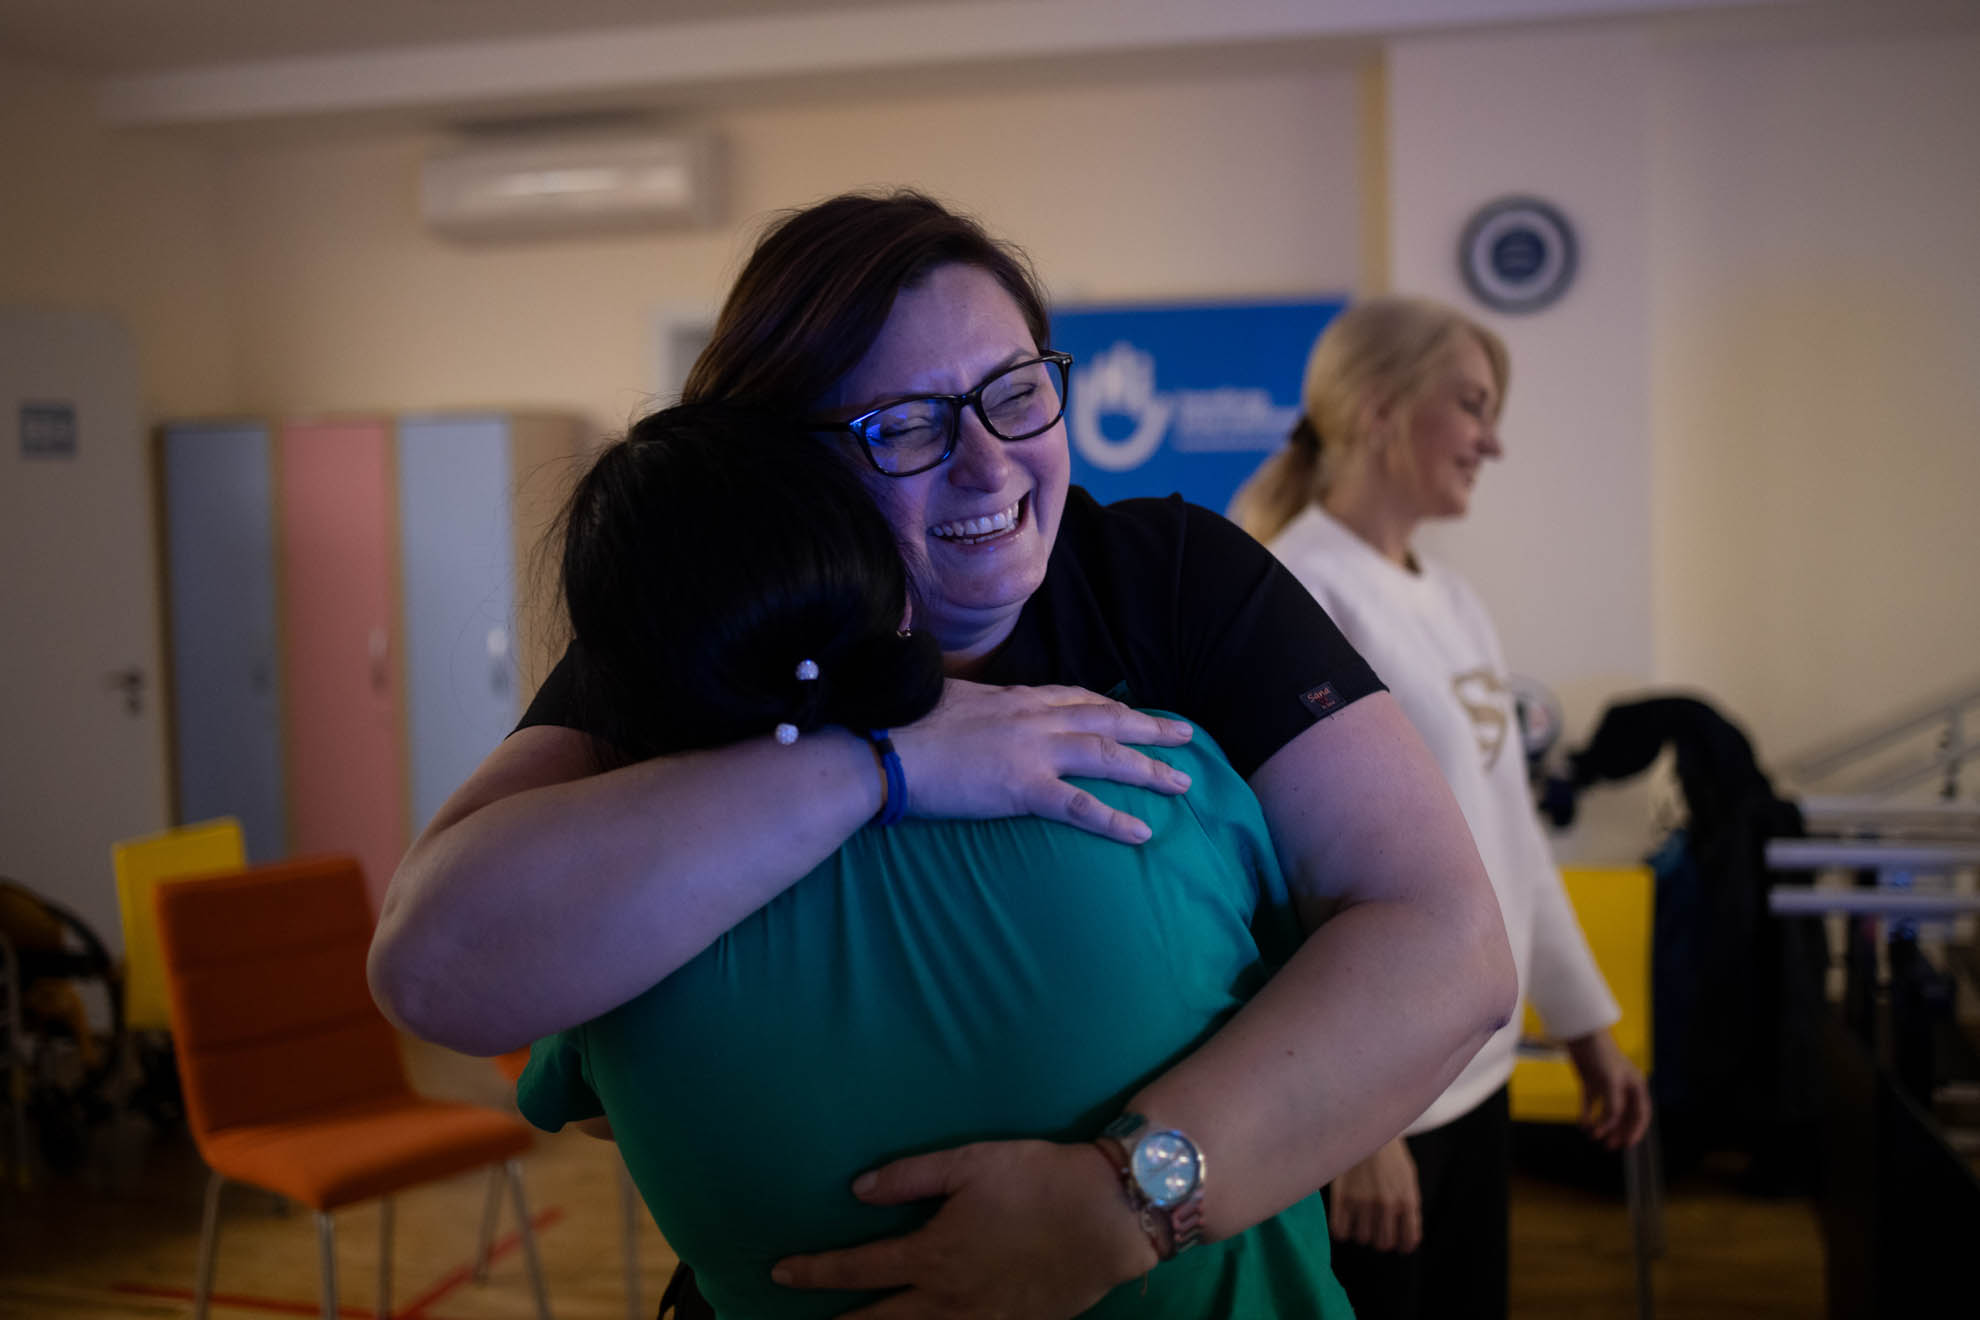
48,430
1183,398
1517,254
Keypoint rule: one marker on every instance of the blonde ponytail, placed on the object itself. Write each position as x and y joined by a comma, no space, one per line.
1282,486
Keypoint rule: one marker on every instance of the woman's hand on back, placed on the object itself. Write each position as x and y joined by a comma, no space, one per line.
987,752
1026,1228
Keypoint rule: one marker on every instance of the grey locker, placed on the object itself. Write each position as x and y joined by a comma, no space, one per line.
221,593
458,582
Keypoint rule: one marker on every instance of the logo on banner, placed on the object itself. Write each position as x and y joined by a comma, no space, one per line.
1116,393
1119,420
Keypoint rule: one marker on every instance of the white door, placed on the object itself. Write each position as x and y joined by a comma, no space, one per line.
82,753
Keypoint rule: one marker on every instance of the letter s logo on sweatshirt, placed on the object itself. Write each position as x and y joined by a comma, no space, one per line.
1483,697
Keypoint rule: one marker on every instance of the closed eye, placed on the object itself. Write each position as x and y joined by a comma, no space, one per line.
893,433
1013,398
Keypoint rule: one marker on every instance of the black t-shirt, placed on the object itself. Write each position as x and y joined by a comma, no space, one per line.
1159,603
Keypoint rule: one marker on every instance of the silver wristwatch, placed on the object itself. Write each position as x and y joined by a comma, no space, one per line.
1162,1174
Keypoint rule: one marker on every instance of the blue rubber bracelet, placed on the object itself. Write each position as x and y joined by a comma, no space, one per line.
895,809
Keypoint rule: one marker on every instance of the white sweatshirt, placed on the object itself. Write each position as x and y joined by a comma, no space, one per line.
1428,638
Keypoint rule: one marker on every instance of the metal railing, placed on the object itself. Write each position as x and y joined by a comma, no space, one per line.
1894,864
1956,745
1880,818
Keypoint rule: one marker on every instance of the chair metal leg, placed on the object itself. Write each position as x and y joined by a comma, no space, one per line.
630,1209
491,1215
326,1251
385,1259
17,1088
513,1168
1653,1160
15,1045
1636,1179
209,1242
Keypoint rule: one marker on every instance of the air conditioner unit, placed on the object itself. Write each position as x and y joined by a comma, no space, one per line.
536,186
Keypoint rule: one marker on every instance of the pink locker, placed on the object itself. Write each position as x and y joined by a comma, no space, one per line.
347,777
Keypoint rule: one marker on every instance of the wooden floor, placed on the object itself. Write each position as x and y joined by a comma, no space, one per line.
1728,1256
118,1241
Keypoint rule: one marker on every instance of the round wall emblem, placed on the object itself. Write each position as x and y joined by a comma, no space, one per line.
1517,254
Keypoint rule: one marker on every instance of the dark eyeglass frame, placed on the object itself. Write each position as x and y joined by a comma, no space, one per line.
972,400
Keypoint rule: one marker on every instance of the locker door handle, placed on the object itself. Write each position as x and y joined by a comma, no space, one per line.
380,647
130,682
498,661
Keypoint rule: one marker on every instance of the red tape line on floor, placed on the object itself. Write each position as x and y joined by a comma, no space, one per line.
414,1310
461,1274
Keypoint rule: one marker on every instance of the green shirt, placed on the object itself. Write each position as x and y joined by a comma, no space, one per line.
933,984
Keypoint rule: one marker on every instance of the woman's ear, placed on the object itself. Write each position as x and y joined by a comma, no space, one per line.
1377,420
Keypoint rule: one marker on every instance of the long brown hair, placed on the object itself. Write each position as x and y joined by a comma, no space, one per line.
1385,352
820,284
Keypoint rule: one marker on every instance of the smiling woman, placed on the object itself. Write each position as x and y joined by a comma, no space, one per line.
977,529
550,890
1401,411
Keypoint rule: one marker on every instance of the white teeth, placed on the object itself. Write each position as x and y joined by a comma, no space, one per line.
963,529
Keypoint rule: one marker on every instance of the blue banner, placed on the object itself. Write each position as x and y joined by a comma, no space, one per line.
1187,398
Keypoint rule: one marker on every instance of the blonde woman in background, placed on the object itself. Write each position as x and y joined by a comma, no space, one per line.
1401,406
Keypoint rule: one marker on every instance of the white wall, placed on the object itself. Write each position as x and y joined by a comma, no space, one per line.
1558,539
1743,452
1816,406
1220,186
117,222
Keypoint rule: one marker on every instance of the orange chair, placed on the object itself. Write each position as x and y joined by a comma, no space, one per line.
292,1077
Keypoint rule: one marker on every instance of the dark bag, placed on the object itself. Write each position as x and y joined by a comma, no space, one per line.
684,1298
1736,997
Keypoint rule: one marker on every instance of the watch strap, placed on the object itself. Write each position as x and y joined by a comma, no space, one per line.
1173,1229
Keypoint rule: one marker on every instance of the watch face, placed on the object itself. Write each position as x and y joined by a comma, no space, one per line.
1167,1168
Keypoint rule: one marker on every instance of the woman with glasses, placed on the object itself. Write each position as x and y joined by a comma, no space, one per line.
546,892
1402,399
932,982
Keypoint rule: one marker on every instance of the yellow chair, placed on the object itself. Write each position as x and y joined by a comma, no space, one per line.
1615,905
141,866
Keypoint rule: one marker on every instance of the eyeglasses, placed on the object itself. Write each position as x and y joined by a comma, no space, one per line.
914,434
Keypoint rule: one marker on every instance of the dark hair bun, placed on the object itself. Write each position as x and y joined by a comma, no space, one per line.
884,680
710,552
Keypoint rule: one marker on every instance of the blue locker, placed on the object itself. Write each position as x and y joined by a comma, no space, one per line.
458,582
221,586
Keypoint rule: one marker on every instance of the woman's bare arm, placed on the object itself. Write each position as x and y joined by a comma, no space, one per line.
1405,974
543,893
